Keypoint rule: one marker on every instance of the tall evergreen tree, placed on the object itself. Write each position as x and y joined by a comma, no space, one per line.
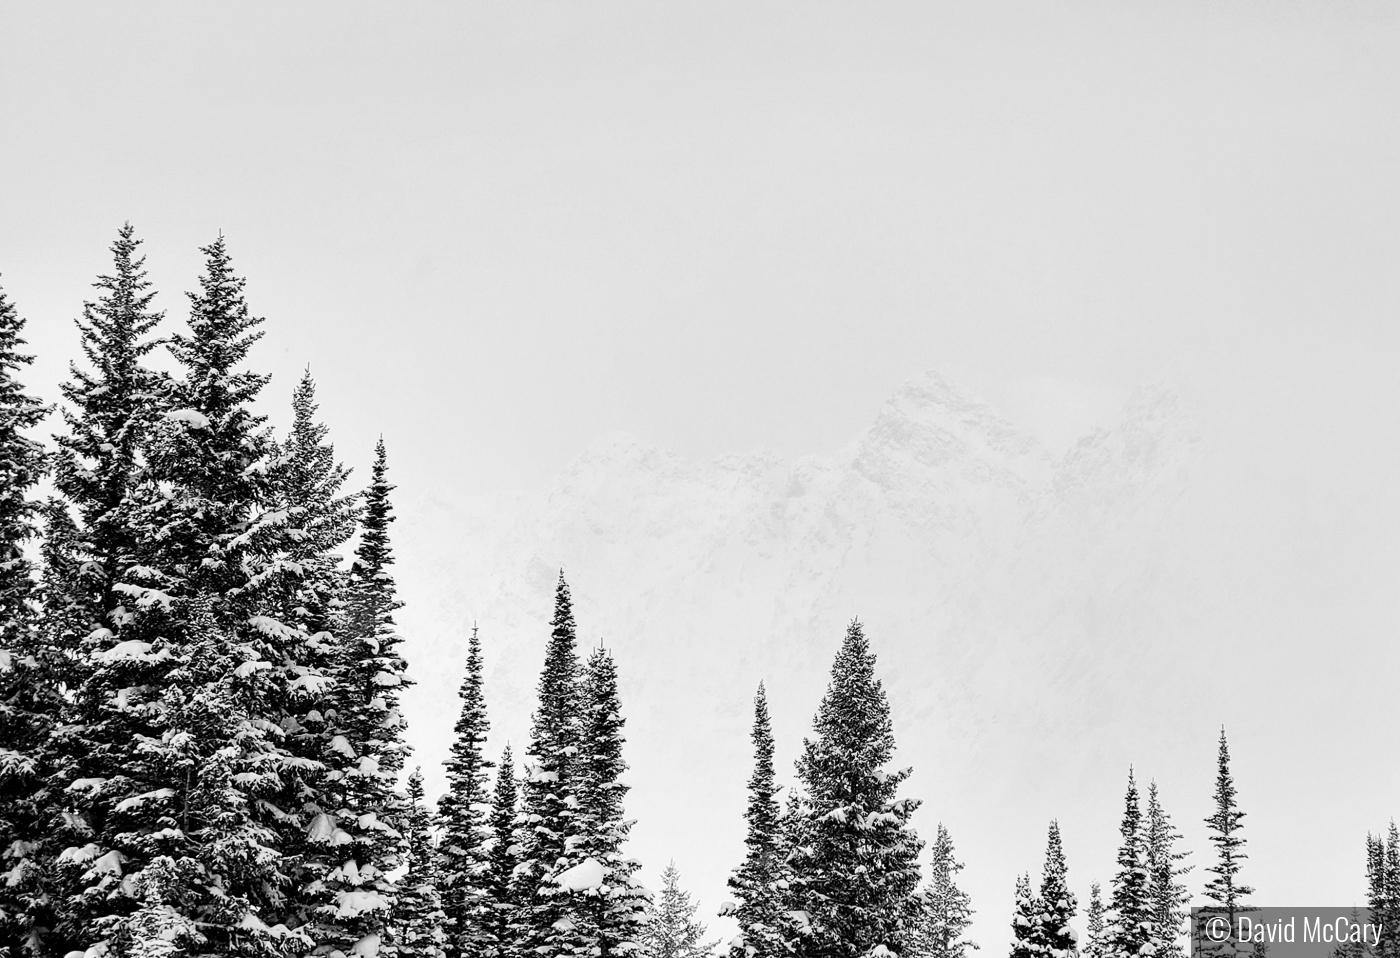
364,748
757,884
543,925
466,835
295,542
947,909
1024,912
855,868
498,881
1225,889
1170,899
30,697
1051,933
1131,929
179,753
1094,924
91,541
418,915
112,406
671,931
607,901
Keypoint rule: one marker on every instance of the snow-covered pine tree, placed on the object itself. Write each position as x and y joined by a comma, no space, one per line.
1094,924
1131,931
30,699
364,747
296,539
947,909
855,866
671,930
498,881
169,750
542,925
1023,919
1383,889
465,831
609,905
758,883
199,780
112,407
418,915
1052,936
1228,896
1169,895
91,540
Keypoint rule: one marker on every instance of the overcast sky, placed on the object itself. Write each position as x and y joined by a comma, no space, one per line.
499,231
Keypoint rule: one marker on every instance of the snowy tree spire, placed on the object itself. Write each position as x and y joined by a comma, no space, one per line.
947,908
544,925
111,407
1225,889
755,883
1052,936
1025,910
1169,895
855,866
1132,929
1094,924
672,931
462,810
418,915
498,882
611,906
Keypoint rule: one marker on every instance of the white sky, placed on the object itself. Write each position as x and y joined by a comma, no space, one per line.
498,231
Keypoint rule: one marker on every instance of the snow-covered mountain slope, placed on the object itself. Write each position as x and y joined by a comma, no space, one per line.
1035,616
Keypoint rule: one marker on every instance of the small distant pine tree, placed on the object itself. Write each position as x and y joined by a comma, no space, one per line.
1094,924
1227,894
1225,889
1131,930
1351,949
1051,934
671,930
543,925
498,880
462,810
855,863
1170,899
757,884
1024,915
1383,889
947,909
418,916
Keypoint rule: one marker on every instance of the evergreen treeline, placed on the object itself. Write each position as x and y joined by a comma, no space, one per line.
202,750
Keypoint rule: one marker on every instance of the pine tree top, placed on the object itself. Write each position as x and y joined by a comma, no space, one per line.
1225,825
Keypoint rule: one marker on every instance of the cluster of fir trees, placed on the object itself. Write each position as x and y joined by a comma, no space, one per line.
198,698
833,872
1147,908
534,866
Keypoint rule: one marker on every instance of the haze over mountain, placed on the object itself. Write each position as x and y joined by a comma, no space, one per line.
1042,619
